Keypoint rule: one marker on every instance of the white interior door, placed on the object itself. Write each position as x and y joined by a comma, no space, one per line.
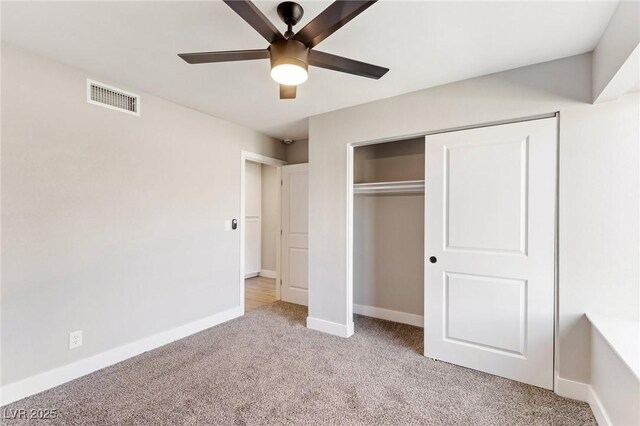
489,228
252,219
295,233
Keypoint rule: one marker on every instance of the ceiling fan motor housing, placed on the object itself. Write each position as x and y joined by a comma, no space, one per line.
291,52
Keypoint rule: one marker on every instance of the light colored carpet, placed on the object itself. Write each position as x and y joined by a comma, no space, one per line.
268,368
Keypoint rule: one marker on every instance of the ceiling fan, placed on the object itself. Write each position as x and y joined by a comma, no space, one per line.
292,53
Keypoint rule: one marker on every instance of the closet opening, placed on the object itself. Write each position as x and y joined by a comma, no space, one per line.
388,233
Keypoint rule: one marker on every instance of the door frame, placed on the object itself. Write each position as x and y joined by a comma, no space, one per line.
350,211
274,162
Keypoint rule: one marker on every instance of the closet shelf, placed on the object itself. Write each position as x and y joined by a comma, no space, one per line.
401,187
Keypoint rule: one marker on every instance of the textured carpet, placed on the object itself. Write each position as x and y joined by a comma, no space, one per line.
267,368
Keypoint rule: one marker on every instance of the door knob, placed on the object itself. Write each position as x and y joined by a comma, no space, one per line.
433,259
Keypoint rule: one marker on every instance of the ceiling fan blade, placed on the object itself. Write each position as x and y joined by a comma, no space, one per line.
331,20
250,13
350,66
288,92
228,56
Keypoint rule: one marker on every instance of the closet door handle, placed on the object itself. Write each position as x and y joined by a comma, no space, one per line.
433,259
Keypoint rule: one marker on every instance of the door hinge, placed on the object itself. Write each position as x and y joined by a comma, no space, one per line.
281,182
281,232
280,283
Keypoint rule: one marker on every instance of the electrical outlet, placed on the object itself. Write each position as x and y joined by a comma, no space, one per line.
75,339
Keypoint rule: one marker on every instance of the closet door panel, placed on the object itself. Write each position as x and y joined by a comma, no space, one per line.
490,249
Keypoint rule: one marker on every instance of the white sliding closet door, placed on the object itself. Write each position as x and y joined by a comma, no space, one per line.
295,234
489,248
252,219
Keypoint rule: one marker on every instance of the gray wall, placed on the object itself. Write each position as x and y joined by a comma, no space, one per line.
111,223
270,217
298,152
599,186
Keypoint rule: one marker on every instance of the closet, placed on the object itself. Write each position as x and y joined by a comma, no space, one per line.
456,232
388,233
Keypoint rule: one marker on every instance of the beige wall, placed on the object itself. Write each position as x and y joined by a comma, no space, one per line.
388,230
392,161
298,152
388,240
599,186
111,224
270,217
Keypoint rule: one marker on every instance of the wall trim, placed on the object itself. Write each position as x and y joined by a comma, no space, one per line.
572,389
583,392
598,409
268,273
329,327
389,315
15,391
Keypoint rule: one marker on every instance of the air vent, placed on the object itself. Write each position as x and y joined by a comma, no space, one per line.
112,98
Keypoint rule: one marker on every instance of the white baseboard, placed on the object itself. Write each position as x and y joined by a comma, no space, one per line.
598,409
40,382
583,392
389,315
329,327
572,389
267,273
251,275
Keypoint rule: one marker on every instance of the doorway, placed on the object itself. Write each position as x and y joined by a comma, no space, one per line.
260,225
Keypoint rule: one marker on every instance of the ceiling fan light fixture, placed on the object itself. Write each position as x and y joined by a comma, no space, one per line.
289,62
289,74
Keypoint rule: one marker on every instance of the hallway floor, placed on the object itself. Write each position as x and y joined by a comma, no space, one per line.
258,291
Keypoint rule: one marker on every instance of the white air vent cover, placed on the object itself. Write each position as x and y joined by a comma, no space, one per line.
112,98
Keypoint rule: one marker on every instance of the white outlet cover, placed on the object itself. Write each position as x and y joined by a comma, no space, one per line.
75,339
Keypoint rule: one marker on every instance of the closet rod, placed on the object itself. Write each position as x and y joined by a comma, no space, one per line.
401,187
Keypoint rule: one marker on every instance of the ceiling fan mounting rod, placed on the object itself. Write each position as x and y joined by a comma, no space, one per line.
290,12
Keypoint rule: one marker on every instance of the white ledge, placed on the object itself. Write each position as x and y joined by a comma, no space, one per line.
401,187
623,336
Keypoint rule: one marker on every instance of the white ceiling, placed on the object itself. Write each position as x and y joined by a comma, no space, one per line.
424,44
